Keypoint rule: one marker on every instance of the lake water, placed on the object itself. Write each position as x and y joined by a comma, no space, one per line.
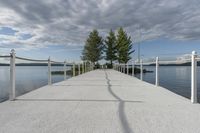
28,78
175,78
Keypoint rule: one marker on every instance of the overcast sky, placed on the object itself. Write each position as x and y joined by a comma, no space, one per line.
58,28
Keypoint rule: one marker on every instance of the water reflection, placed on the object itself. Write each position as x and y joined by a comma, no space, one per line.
27,78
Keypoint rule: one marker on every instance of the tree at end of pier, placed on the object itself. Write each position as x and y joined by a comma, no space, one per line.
124,46
110,48
93,48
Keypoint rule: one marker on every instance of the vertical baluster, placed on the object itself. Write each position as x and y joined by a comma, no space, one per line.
65,75
49,72
12,75
79,68
74,71
133,68
127,69
157,71
194,77
141,70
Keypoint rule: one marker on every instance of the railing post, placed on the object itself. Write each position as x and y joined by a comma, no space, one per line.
83,67
12,75
127,69
89,66
133,69
157,71
92,67
79,69
141,70
124,68
49,72
74,71
65,75
194,77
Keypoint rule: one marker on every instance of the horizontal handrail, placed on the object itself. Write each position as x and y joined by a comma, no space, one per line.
85,68
4,56
194,58
197,59
175,61
28,59
56,62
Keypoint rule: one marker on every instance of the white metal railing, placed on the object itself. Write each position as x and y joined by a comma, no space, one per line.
86,66
124,68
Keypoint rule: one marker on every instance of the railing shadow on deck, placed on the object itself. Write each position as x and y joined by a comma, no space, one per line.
83,85
121,108
75,100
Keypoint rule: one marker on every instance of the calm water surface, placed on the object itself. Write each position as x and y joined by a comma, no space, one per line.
28,78
175,78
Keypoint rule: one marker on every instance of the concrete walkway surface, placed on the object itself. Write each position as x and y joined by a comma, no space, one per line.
100,101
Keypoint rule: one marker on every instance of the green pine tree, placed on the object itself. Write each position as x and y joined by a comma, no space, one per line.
93,48
124,46
110,48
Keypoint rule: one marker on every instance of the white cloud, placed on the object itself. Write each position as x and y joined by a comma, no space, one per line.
68,22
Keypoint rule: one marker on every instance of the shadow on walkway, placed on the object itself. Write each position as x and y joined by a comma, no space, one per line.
73,100
121,108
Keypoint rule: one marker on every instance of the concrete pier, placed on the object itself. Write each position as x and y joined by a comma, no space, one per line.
100,101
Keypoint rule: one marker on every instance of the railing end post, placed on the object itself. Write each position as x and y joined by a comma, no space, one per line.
65,75
133,68
194,77
141,69
194,52
49,71
12,76
157,71
74,71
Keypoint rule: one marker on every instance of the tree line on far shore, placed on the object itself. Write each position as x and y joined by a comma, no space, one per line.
114,48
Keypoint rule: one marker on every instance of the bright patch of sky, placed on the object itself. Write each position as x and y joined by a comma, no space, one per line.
25,36
7,31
